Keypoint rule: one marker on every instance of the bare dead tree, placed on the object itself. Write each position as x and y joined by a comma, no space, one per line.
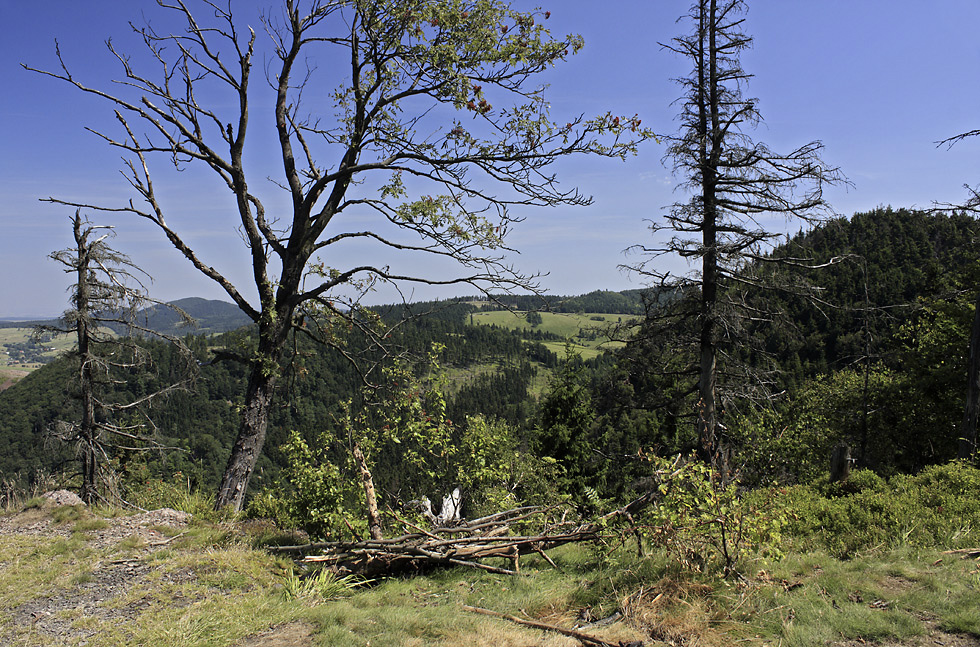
735,186
971,411
414,153
108,293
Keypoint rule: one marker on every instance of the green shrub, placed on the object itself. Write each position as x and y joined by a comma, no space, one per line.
313,494
938,507
412,450
705,526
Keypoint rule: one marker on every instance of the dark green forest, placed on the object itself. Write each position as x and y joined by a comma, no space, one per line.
878,361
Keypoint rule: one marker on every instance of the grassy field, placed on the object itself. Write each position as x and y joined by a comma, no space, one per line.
456,378
58,344
9,376
583,331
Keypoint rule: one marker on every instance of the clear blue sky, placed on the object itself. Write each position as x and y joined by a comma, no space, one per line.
878,81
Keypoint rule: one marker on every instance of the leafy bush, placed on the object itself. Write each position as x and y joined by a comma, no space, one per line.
412,450
938,507
704,525
312,494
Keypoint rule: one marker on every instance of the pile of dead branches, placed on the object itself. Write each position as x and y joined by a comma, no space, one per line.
464,544
468,543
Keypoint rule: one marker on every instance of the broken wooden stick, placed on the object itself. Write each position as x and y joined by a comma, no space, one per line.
965,552
588,639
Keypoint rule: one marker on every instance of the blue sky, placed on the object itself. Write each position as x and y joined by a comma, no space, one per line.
878,81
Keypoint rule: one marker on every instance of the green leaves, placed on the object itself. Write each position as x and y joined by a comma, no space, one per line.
440,218
704,525
412,450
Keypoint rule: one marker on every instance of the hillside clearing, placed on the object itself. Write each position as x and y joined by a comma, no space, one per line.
583,332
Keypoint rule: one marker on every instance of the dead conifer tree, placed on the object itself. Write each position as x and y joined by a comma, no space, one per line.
735,187
107,296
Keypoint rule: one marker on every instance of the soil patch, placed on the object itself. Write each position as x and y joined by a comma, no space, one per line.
293,634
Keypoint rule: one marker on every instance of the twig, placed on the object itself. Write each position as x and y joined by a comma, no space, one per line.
608,620
164,542
965,552
578,635
546,558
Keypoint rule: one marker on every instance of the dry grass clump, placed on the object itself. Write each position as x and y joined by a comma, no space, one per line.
679,612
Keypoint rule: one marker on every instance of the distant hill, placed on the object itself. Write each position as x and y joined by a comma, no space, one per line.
210,317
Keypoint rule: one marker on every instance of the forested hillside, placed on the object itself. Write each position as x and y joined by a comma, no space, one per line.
886,266
489,369
878,360
868,348
599,301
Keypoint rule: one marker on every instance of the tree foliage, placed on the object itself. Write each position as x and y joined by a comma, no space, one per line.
439,130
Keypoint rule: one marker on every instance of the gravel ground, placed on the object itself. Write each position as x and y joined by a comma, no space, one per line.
48,619
108,578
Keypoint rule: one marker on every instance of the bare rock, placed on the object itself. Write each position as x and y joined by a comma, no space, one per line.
62,497
163,517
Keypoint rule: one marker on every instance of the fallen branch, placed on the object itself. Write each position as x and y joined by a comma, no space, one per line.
588,639
468,543
965,552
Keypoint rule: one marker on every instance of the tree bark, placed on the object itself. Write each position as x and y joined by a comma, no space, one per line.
251,437
968,436
274,327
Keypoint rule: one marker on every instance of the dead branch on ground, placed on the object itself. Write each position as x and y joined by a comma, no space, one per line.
500,535
584,638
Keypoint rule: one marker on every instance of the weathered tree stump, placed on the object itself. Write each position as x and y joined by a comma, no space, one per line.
840,463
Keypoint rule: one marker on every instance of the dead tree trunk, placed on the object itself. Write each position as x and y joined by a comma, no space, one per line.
87,433
968,437
371,500
840,463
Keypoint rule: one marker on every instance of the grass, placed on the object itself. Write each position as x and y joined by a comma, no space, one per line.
579,329
210,587
896,595
234,591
